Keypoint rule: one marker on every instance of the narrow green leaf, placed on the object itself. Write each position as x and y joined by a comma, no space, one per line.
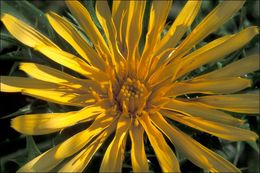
24,110
31,147
90,6
253,145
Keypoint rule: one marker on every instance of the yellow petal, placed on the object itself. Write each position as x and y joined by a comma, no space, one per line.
81,160
217,129
134,29
180,25
17,84
164,153
78,141
39,124
235,69
33,124
84,19
114,155
216,50
225,85
52,75
200,111
61,97
243,103
192,150
138,156
25,33
222,13
85,114
68,32
49,74
169,70
74,63
105,18
119,10
43,163
131,31
158,15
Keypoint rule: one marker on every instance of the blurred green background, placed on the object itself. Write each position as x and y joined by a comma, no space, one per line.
16,149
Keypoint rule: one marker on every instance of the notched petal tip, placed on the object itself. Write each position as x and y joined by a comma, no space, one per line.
13,123
255,29
4,16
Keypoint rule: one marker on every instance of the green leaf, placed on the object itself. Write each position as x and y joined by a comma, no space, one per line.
90,6
32,149
240,146
24,110
145,25
19,160
180,157
253,144
6,37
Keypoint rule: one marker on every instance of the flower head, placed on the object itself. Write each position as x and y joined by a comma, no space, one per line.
125,90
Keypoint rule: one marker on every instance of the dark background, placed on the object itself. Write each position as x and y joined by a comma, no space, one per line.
14,147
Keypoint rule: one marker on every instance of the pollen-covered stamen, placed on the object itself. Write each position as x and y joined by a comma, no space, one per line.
132,96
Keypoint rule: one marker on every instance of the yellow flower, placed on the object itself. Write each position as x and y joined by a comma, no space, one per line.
133,92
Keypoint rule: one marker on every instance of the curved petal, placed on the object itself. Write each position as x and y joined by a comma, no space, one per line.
138,156
170,70
119,10
39,124
61,97
25,33
17,84
116,148
86,22
105,18
191,149
43,163
81,160
48,74
211,52
78,141
217,129
134,30
243,103
68,32
158,15
74,63
198,110
180,25
33,124
45,91
85,114
222,13
235,69
164,153
209,86
48,160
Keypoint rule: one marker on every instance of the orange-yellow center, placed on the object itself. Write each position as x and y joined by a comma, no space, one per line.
132,97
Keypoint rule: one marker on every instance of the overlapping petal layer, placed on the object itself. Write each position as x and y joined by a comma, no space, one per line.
127,90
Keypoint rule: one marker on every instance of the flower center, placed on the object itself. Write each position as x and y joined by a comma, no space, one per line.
132,97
